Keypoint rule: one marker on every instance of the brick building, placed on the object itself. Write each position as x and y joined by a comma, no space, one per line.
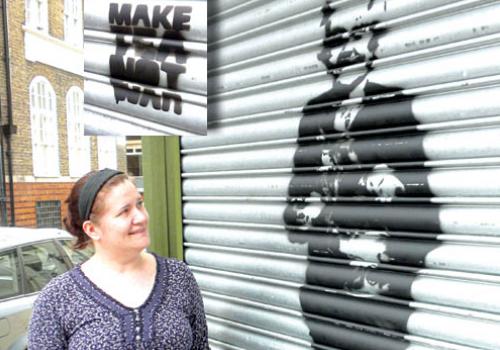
41,99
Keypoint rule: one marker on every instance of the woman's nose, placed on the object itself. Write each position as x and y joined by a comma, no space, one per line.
140,215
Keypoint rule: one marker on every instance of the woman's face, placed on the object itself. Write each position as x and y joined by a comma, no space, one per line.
123,222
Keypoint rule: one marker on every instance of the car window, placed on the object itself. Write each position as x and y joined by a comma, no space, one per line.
9,274
76,256
42,262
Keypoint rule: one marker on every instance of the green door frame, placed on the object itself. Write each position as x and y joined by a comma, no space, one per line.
162,194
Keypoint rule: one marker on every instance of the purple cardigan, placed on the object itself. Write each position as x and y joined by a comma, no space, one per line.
72,313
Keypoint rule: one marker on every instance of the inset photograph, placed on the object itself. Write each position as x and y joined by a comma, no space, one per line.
145,67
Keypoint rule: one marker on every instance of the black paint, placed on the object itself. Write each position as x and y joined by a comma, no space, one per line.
373,88
147,68
355,309
356,118
348,338
320,244
301,234
384,115
360,279
400,252
122,15
136,94
369,150
407,252
422,218
348,184
140,71
339,90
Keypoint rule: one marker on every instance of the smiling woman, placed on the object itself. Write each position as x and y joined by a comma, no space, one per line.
122,297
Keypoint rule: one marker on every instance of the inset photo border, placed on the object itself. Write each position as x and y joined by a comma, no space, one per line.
145,67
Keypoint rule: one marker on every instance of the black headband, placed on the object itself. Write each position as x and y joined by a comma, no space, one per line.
90,190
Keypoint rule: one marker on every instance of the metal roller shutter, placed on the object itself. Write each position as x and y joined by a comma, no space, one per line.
347,195
145,67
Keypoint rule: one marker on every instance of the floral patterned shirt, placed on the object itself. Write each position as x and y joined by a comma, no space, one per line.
72,313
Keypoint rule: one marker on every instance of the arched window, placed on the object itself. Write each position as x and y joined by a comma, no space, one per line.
44,135
73,29
106,149
78,145
37,15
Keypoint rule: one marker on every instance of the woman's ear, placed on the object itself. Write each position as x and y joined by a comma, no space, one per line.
90,229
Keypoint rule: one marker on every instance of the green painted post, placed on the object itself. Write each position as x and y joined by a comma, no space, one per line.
174,197
162,194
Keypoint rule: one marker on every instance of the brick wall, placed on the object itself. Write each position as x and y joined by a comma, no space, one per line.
56,18
27,193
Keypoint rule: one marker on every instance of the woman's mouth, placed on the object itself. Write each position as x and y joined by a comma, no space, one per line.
141,231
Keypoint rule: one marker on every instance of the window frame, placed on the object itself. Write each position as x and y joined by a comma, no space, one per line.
79,155
103,152
37,15
40,130
41,210
73,22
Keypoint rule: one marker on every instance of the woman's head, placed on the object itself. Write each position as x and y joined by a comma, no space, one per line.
104,207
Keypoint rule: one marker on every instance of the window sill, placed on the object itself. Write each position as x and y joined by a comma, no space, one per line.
44,179
41,47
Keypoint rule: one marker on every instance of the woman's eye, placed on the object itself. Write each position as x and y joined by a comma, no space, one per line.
140,203
123,211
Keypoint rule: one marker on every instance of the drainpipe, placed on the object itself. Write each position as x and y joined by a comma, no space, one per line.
3,199
8,129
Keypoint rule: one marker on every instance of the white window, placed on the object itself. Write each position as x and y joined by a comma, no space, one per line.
73,30
78,145
106,148
37,15
44,135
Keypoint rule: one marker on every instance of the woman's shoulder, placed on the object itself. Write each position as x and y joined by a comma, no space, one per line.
175,268
171,263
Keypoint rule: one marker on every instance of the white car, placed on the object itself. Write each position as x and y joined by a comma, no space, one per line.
29,259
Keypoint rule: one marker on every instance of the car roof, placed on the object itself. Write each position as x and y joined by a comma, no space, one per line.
15,236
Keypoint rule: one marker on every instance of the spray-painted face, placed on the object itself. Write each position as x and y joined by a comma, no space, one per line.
370,286
326,157
345,116
306,214
382,184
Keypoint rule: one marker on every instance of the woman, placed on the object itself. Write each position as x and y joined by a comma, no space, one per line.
122,297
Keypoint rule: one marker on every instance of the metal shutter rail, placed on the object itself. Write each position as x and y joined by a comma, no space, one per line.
347,195
145,67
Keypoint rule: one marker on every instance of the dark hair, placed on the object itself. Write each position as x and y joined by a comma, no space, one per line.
73,222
